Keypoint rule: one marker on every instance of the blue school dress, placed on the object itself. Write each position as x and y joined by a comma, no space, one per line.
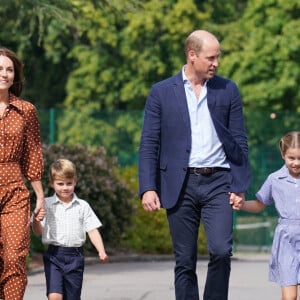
283,190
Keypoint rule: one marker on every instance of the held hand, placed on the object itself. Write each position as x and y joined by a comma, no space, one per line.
39,215
236,200
150,201
39,212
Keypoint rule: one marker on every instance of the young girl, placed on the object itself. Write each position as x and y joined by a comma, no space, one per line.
283,189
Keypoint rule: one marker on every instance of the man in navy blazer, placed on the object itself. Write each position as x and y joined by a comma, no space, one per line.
193,161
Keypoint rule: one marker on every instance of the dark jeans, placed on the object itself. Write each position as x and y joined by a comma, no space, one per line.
205,198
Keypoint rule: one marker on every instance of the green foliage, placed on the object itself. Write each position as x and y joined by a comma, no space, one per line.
261,53
108,195
109,53
32,28
223,12
118,132
144,44
44,32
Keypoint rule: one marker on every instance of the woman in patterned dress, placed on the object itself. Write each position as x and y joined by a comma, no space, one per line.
20,157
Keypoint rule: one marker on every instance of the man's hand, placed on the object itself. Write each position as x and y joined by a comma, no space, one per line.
150,201
103,257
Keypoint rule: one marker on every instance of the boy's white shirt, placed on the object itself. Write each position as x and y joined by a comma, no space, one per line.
66,225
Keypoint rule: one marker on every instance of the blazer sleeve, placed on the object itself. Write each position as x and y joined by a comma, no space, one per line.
149,144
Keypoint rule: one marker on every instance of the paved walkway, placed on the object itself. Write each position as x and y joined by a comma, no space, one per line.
133,278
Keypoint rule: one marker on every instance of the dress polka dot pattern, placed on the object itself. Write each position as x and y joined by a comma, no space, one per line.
20,156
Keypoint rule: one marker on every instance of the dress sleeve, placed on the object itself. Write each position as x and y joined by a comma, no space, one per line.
264,194
32,163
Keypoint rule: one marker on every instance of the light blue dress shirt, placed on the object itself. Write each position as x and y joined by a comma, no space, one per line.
207,150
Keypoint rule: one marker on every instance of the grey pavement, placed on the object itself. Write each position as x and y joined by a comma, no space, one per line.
136,278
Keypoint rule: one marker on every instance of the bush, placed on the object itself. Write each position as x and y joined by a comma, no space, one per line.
98,184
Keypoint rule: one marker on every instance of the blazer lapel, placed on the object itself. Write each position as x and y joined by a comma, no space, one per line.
211,97
180,98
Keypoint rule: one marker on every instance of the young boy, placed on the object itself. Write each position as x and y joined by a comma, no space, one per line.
63,229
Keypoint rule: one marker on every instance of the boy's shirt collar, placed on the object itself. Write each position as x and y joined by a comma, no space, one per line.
57,200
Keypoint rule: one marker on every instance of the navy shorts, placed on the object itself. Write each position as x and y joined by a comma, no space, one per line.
64,268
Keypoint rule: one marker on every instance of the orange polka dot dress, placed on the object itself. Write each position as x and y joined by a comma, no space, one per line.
20,157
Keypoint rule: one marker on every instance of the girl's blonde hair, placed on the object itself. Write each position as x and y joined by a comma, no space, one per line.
290,140
62,169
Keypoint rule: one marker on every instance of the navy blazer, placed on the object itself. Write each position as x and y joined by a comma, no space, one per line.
166,136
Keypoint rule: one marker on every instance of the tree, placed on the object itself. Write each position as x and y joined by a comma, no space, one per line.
115,71
124,54
105,52
43,33
223,12
24,26
261,53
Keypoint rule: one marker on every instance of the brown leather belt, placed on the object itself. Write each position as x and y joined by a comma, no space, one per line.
206,170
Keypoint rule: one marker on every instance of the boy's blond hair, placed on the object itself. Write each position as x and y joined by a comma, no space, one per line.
62,169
